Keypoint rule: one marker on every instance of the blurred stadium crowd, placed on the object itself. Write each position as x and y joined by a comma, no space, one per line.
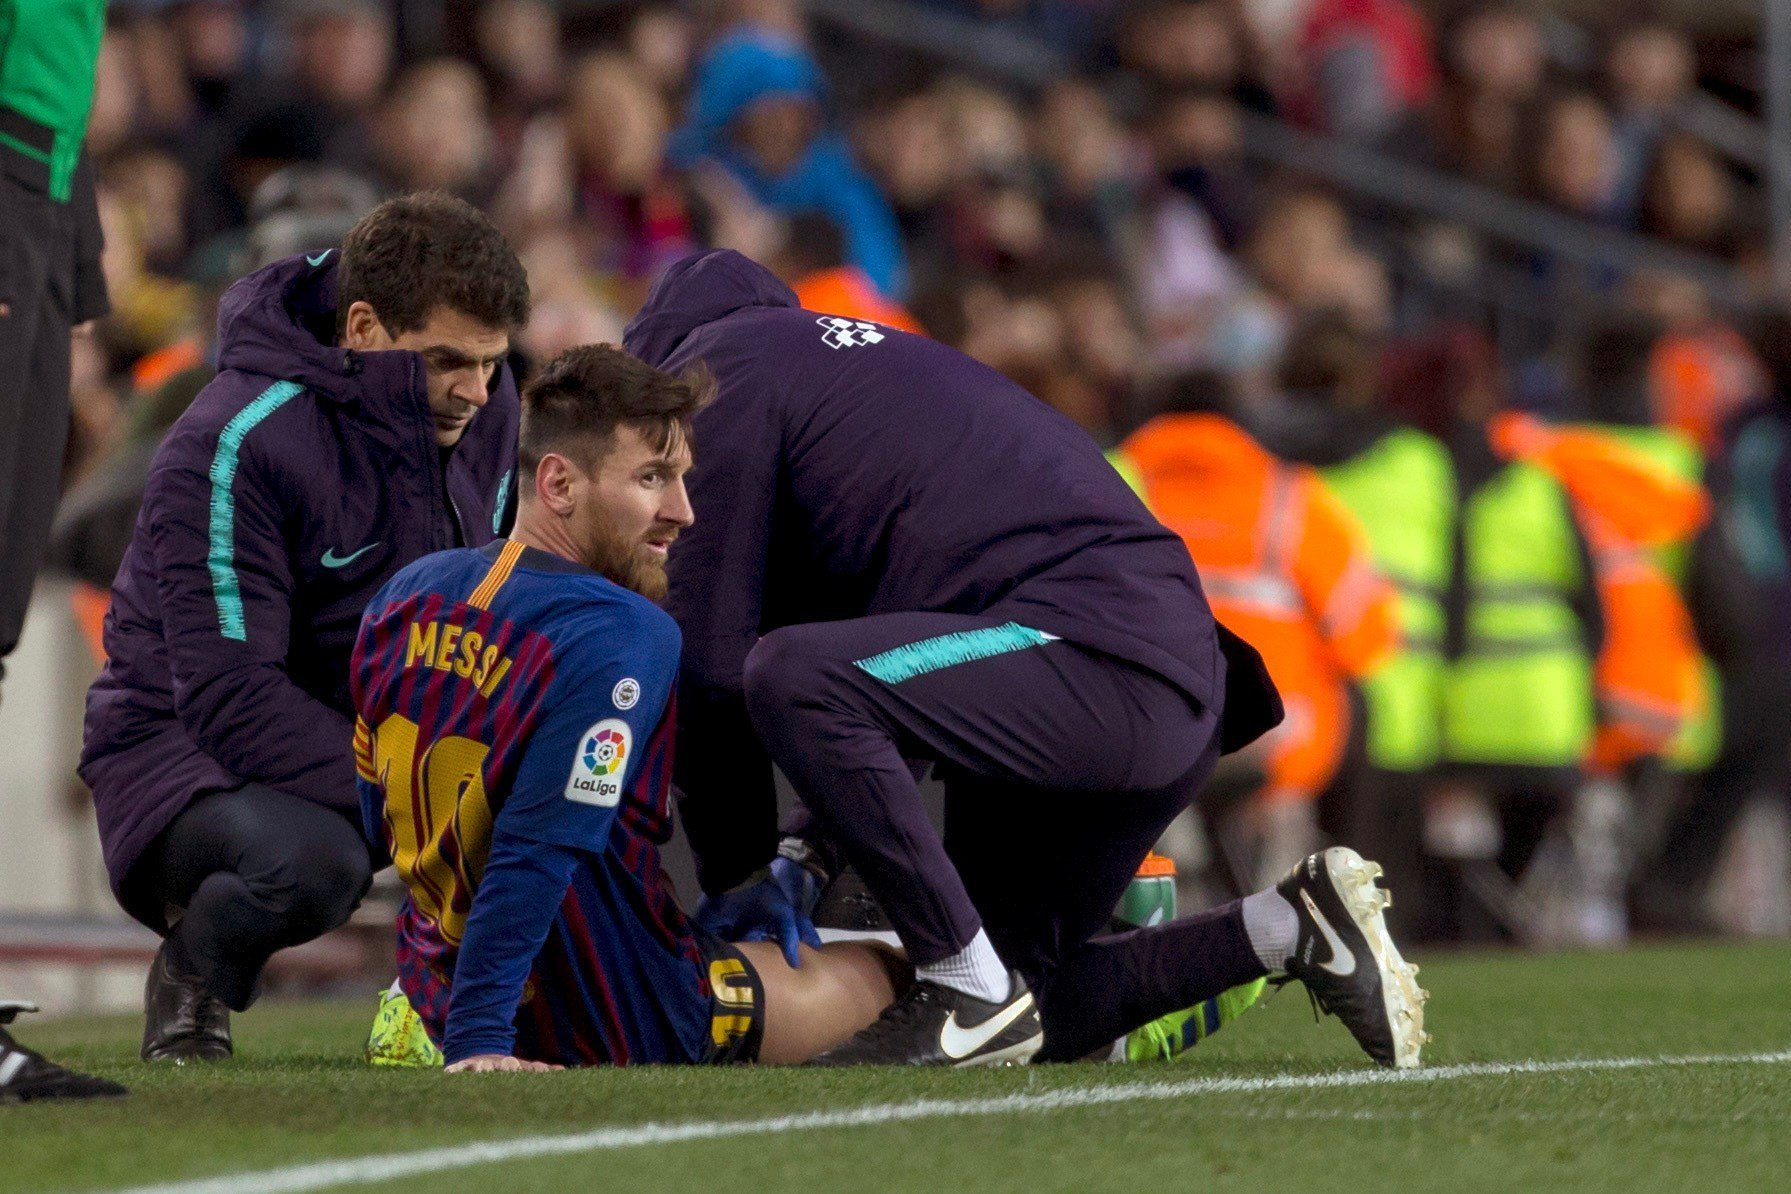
1360,230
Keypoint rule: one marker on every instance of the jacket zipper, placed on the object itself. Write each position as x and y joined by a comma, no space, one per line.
438,473
459,522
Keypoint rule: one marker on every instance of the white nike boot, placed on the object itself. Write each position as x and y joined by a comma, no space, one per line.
936,1025
1347,960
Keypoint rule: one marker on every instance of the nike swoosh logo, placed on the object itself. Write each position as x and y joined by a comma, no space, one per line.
318,260
1342,962
958,1043
332,560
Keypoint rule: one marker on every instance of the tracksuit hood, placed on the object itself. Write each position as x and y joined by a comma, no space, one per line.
280,321
697,291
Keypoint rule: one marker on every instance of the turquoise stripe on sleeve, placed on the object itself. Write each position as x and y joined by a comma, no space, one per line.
503,502
226,588
949,650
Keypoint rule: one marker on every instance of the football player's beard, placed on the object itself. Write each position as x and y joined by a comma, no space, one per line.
629,563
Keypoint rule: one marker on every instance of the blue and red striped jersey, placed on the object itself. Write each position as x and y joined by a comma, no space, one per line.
508,691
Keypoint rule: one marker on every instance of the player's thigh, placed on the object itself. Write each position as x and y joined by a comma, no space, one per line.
838,990
987,696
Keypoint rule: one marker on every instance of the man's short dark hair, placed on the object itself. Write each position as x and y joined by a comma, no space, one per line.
1197,391
574,406
417,253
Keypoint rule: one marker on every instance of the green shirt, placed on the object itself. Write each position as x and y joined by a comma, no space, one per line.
48,52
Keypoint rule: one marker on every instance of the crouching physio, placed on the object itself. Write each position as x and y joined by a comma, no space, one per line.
513,740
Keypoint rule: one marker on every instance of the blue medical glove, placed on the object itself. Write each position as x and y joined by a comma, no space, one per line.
776,906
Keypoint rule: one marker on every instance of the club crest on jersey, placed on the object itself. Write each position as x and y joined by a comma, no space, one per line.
600,764
849,333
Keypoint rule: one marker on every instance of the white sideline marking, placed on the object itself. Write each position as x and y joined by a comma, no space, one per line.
364,1170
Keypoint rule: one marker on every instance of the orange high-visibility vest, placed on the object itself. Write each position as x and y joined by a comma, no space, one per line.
848,291
1701,377
1285,566
1648,674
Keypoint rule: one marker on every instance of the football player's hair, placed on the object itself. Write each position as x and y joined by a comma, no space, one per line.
418,253
574,405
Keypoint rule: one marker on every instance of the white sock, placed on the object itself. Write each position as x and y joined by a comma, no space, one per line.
975,970
1273,928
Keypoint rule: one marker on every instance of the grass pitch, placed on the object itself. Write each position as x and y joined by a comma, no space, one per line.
298,1094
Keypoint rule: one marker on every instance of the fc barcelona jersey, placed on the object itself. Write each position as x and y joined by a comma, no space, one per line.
508,690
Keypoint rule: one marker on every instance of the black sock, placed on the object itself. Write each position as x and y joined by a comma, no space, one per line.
1117,983
180,961
225,938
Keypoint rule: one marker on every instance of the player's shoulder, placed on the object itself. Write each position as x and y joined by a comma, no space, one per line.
443,566
444,572
625,617
590,614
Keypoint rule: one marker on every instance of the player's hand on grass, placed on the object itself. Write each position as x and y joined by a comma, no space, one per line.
491,1063
774,907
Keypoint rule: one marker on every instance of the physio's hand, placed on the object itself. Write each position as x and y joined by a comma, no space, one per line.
777,908
491,1063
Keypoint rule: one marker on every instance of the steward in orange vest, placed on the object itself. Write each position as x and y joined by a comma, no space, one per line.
1648,676
1285,566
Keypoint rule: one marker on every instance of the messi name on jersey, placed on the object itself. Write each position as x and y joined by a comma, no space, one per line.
449,646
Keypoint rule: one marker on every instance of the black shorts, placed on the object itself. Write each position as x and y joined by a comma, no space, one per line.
736,1003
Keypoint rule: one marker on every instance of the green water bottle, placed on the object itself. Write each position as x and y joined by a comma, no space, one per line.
1150,898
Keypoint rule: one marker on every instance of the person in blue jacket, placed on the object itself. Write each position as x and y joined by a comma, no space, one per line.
900,557
758,111
363,416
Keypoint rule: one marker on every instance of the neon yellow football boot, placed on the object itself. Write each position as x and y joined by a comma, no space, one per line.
398,1037
1175,1035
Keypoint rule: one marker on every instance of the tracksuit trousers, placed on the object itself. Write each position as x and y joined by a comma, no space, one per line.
1061,768
250,872
37,287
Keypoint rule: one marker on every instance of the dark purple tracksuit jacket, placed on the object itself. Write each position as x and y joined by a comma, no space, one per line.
296,484
838,477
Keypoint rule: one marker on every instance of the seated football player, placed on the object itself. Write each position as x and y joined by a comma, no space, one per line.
513,740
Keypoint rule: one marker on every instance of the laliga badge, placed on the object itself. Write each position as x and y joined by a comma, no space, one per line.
601,762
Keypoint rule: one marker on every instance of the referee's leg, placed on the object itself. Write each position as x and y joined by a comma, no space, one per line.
34,411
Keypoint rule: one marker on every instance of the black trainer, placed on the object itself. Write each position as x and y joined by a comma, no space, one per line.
1347,960
935,1025
847,905
26,1074
181,1021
